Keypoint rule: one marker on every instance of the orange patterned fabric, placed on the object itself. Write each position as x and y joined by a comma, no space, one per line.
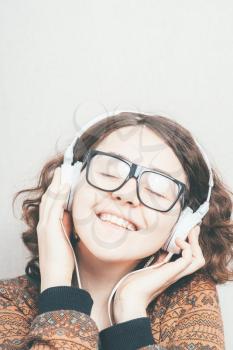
186,316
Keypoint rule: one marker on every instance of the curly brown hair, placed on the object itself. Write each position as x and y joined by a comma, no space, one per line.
216,235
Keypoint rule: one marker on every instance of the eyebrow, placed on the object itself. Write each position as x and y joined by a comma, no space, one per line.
152,168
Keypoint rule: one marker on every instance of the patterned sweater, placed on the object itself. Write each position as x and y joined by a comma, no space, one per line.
186,315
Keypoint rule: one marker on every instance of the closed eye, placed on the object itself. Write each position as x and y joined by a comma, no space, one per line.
160,195
107,175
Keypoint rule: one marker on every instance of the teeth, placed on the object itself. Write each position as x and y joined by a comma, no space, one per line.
116,220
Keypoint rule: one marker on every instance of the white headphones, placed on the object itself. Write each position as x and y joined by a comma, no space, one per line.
187,220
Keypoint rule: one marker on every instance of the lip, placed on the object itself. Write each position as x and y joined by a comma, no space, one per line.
119,216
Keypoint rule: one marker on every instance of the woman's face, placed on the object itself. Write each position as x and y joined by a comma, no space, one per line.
108,241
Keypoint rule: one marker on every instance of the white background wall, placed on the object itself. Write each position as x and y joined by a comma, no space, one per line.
164,56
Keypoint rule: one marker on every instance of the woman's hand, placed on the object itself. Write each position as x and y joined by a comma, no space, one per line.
139,289
55,254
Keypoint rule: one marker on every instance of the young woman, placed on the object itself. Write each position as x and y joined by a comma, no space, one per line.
114,227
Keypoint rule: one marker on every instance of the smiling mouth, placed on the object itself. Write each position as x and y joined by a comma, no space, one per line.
115,225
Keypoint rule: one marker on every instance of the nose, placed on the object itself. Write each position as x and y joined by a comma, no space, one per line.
127,193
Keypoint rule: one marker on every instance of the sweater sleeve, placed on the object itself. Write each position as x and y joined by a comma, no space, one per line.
192,317
135,334
128,335
63,321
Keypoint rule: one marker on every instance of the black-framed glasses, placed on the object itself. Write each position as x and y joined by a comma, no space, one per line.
156,190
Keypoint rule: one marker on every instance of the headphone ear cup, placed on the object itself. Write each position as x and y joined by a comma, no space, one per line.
75,176
181,230
66,177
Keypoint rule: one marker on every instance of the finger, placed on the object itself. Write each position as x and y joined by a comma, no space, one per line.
53,188
170,271
186,256
173,271
193,240
50,194
198,259
57,208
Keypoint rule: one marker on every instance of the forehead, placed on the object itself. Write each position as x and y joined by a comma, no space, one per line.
143,146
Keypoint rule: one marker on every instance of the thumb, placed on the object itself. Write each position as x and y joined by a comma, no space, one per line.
58,206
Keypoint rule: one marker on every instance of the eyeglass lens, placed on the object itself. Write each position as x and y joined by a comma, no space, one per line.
155,190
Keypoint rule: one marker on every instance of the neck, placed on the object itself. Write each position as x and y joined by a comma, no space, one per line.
97,276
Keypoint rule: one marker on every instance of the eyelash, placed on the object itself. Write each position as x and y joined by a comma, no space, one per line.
107,175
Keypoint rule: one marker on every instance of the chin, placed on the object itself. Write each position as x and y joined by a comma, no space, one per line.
107,255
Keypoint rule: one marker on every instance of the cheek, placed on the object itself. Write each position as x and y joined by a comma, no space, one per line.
85,198
163,222
160,225
84,206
